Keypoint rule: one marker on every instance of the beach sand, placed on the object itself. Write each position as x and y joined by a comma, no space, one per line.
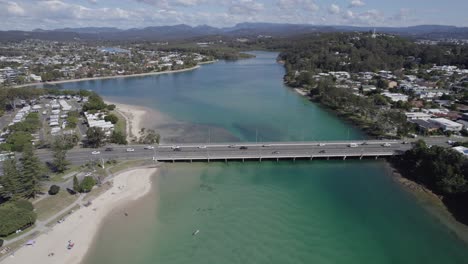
81,226
134,117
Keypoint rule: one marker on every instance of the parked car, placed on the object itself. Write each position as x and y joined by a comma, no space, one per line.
95,152
130,150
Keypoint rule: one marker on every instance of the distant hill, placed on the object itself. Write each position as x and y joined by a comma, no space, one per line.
178,32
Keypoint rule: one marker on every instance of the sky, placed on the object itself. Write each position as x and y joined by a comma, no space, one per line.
52,14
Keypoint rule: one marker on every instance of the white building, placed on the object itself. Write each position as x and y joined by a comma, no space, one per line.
461,150
395,97
417,116
446,125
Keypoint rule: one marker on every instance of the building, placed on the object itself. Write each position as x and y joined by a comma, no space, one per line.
395,97
425,126
446,125
462,150
417,116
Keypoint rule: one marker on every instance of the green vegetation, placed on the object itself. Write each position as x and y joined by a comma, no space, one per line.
30,172
95,137
53,204
87,184
72,119
14,216
355,52
149,136
442,170
95,102
363,111
54,189
111,118
23,181
59,148
118,137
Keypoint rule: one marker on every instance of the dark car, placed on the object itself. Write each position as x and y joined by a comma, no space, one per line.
109,149
177,149
322,151
243,147
275,152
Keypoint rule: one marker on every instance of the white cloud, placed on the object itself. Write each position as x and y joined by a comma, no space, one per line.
334,9
308,5
246,7
356,3
14,9
93,2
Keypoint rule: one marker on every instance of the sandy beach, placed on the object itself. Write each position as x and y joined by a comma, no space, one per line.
134,117
81,226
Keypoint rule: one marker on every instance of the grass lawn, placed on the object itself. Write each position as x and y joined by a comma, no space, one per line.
58,177
121,125
128,164
64,215
53,204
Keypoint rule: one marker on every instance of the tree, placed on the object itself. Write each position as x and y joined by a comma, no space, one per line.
17,140
111,118
13,218
95,136
118,137
30,172
149,136
10,181
54,189
87,184
76,184
59,149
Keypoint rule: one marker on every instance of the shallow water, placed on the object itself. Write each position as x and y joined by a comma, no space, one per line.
304,212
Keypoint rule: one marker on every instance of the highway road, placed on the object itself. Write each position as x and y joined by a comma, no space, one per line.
246,151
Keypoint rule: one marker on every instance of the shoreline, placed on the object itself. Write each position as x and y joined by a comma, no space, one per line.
82,226
115,76
133,115
430,201
425,197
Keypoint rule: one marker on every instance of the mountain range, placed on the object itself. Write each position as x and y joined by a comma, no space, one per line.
178,32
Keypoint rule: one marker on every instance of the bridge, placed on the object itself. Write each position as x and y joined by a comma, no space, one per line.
247,151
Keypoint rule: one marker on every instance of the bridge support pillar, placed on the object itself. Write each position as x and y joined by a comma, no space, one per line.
277,159
376,157
208,160
191,161
225,160
260,159
173,160
294,159
328,158
360,157
344,158
242,160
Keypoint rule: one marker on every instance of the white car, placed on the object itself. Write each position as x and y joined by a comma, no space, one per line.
95,152
322,144
202,147
130,150
149,147
387,145
175,147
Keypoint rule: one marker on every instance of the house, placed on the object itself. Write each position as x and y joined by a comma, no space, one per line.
446,125
392,84
368,88
425,126
395,97
417,116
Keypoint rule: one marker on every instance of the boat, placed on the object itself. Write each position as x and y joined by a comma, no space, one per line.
195,233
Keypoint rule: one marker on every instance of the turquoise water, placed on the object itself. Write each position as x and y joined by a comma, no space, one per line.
244,98
303,212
